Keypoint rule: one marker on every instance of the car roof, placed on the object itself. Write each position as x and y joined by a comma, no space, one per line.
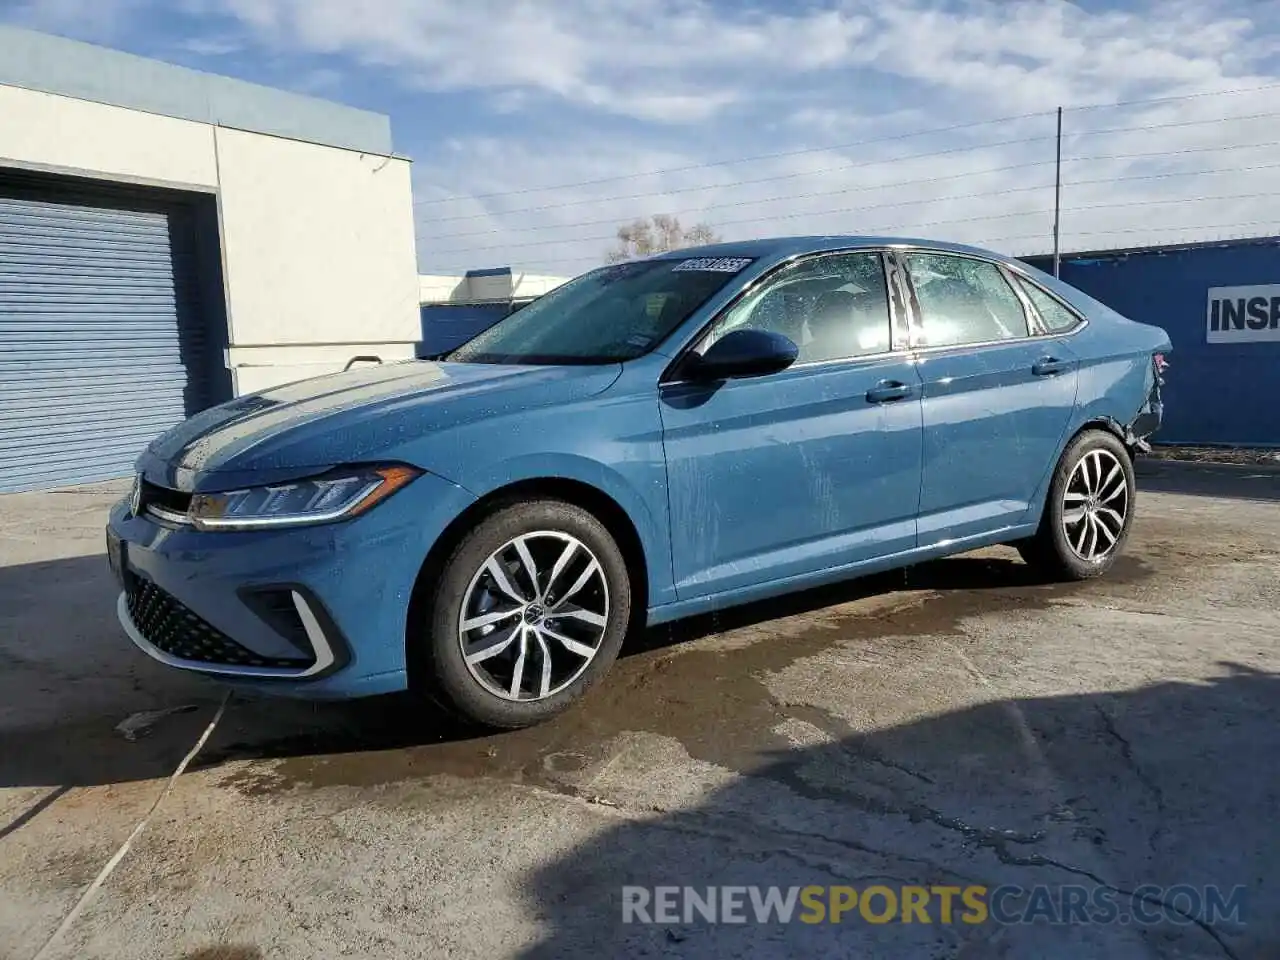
779,248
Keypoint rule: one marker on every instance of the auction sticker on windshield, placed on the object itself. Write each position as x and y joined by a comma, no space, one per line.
715,264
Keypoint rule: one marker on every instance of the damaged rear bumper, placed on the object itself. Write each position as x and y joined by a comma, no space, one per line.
1151,415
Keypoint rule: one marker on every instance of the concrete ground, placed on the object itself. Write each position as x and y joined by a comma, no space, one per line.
955,724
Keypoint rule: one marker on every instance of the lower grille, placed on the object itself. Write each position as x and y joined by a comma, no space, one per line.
170,627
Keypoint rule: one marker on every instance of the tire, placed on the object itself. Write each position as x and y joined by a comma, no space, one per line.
486,691
1054,551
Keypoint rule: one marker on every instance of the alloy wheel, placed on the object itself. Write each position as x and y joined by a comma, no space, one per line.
533,616
1095,505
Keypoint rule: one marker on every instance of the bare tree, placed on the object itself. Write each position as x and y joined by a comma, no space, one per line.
658,234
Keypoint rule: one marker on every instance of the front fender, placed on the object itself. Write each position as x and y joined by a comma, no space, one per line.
645,503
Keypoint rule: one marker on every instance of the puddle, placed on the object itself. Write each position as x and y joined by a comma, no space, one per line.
698,682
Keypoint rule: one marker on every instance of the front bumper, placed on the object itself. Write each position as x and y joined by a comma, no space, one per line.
328,651
317,611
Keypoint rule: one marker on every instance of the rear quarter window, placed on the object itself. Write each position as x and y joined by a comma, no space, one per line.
1056,315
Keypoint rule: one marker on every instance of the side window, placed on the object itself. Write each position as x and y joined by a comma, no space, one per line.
832,307
963,300
1056,317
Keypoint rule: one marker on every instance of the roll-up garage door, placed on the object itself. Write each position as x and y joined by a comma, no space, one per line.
102,345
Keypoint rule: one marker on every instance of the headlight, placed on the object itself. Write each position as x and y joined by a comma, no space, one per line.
334,496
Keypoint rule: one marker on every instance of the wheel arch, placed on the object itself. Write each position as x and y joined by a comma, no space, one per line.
1108,424
595,501
1100,422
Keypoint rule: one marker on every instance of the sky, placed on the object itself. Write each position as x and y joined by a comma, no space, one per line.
536,128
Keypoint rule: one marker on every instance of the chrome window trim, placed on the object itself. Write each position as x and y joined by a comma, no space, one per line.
896,324
1035,322
901,305
998,263
1081,319
1001,343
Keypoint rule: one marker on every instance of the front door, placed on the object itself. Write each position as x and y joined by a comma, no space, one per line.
814,467
997,400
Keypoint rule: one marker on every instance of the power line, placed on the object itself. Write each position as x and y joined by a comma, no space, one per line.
884,206
731,162
1128,231
900,229
769,179
991,242
1160,154
897,228
860,164
845,146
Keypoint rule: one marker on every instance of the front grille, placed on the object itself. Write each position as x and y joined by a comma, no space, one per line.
168,501
169,626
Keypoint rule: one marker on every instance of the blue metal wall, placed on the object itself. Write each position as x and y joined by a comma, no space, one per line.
446,326
1216,393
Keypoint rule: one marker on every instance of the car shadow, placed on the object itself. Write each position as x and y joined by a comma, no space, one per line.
959,573
1162,785
70,679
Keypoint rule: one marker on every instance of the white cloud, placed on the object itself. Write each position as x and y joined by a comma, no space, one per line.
685,60
100,20
580,90
211,46
916,65
663,60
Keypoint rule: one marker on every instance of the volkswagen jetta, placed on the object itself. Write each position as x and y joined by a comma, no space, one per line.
651,440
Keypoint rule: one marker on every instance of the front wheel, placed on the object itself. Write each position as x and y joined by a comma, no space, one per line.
1089,510
530,611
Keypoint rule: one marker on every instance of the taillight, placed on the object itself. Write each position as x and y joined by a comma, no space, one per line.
1161,363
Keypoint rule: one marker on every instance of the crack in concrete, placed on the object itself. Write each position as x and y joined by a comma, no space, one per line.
996,840
992,837
999,842
1126,751
1149,610
688,823
1039,860
840,733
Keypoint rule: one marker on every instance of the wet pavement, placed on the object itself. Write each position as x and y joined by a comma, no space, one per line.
954,724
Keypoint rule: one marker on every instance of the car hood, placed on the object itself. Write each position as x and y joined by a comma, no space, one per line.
352,417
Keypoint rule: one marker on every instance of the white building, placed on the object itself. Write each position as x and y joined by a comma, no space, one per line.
457,308
161,232
485,286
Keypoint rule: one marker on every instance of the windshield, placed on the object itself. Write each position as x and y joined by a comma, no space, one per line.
608,315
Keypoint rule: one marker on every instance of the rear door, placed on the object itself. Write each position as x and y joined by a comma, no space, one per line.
811,468
997,395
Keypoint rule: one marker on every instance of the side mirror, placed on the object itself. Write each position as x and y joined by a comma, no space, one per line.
743,353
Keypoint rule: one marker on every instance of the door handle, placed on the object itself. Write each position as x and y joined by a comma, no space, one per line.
887,391
1048,366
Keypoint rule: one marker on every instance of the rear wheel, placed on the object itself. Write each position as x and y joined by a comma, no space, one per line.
530,611
1089,510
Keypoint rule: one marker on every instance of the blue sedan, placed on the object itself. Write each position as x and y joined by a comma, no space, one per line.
651,440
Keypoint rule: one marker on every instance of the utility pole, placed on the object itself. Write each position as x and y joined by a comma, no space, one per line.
1057,196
